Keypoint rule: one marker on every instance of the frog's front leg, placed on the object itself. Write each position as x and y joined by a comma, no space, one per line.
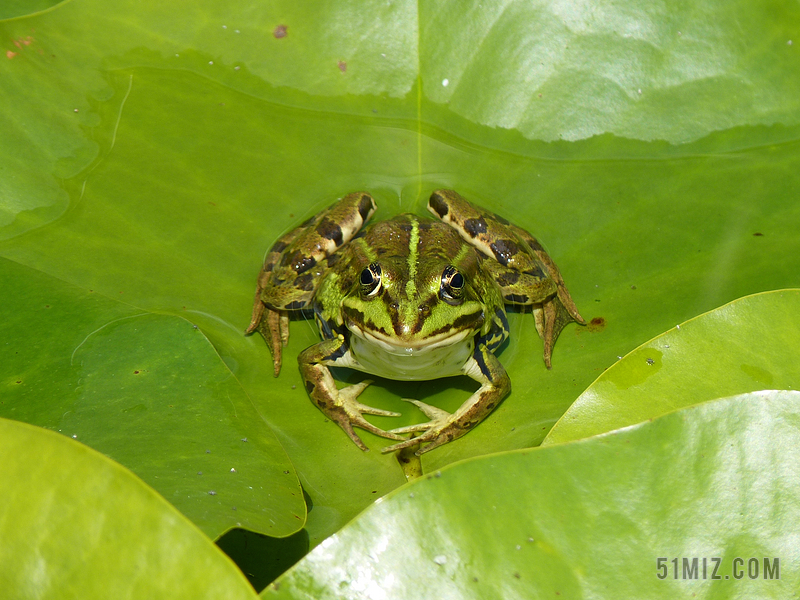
445,427
338,405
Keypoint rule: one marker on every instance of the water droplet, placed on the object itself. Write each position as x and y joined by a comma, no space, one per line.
445,82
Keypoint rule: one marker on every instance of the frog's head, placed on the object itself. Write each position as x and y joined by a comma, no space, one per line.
412,305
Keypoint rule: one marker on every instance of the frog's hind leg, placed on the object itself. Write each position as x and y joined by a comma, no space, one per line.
563,294
296,264
557,311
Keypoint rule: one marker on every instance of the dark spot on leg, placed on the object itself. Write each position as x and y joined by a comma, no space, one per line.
438,204
504,250
535,272
278,246
364,206
516,298
330,231
475,227
304,264
305,282
289,258
508,278
310,386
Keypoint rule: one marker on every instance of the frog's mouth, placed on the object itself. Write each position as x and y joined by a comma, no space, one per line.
400,346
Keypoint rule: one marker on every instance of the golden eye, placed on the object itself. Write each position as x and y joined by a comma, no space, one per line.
452,284
371,280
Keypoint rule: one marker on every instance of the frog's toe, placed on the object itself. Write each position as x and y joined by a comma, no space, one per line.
371,410
437,416
551,320
405,444
352,418
435,435
439,430
352,411
432,412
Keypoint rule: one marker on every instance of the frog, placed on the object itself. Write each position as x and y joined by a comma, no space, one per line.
409,298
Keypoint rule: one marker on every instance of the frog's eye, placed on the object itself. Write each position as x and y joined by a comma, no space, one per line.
371,280
452,284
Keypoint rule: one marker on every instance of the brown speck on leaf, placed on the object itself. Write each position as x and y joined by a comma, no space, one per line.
342,66
758,234
280,32
597,324
136,372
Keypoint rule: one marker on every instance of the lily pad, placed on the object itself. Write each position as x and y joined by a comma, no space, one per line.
150,392
77,525
702,502
159,152
749,344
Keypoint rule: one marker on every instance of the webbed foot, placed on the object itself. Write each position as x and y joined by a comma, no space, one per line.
274,327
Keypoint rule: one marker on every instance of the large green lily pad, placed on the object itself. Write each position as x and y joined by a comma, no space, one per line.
700,503
75,524
750,344
158,152
150,392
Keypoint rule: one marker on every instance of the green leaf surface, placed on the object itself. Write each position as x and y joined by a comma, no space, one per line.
75,524
20,8
159,151
747,345
150,392
590,519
